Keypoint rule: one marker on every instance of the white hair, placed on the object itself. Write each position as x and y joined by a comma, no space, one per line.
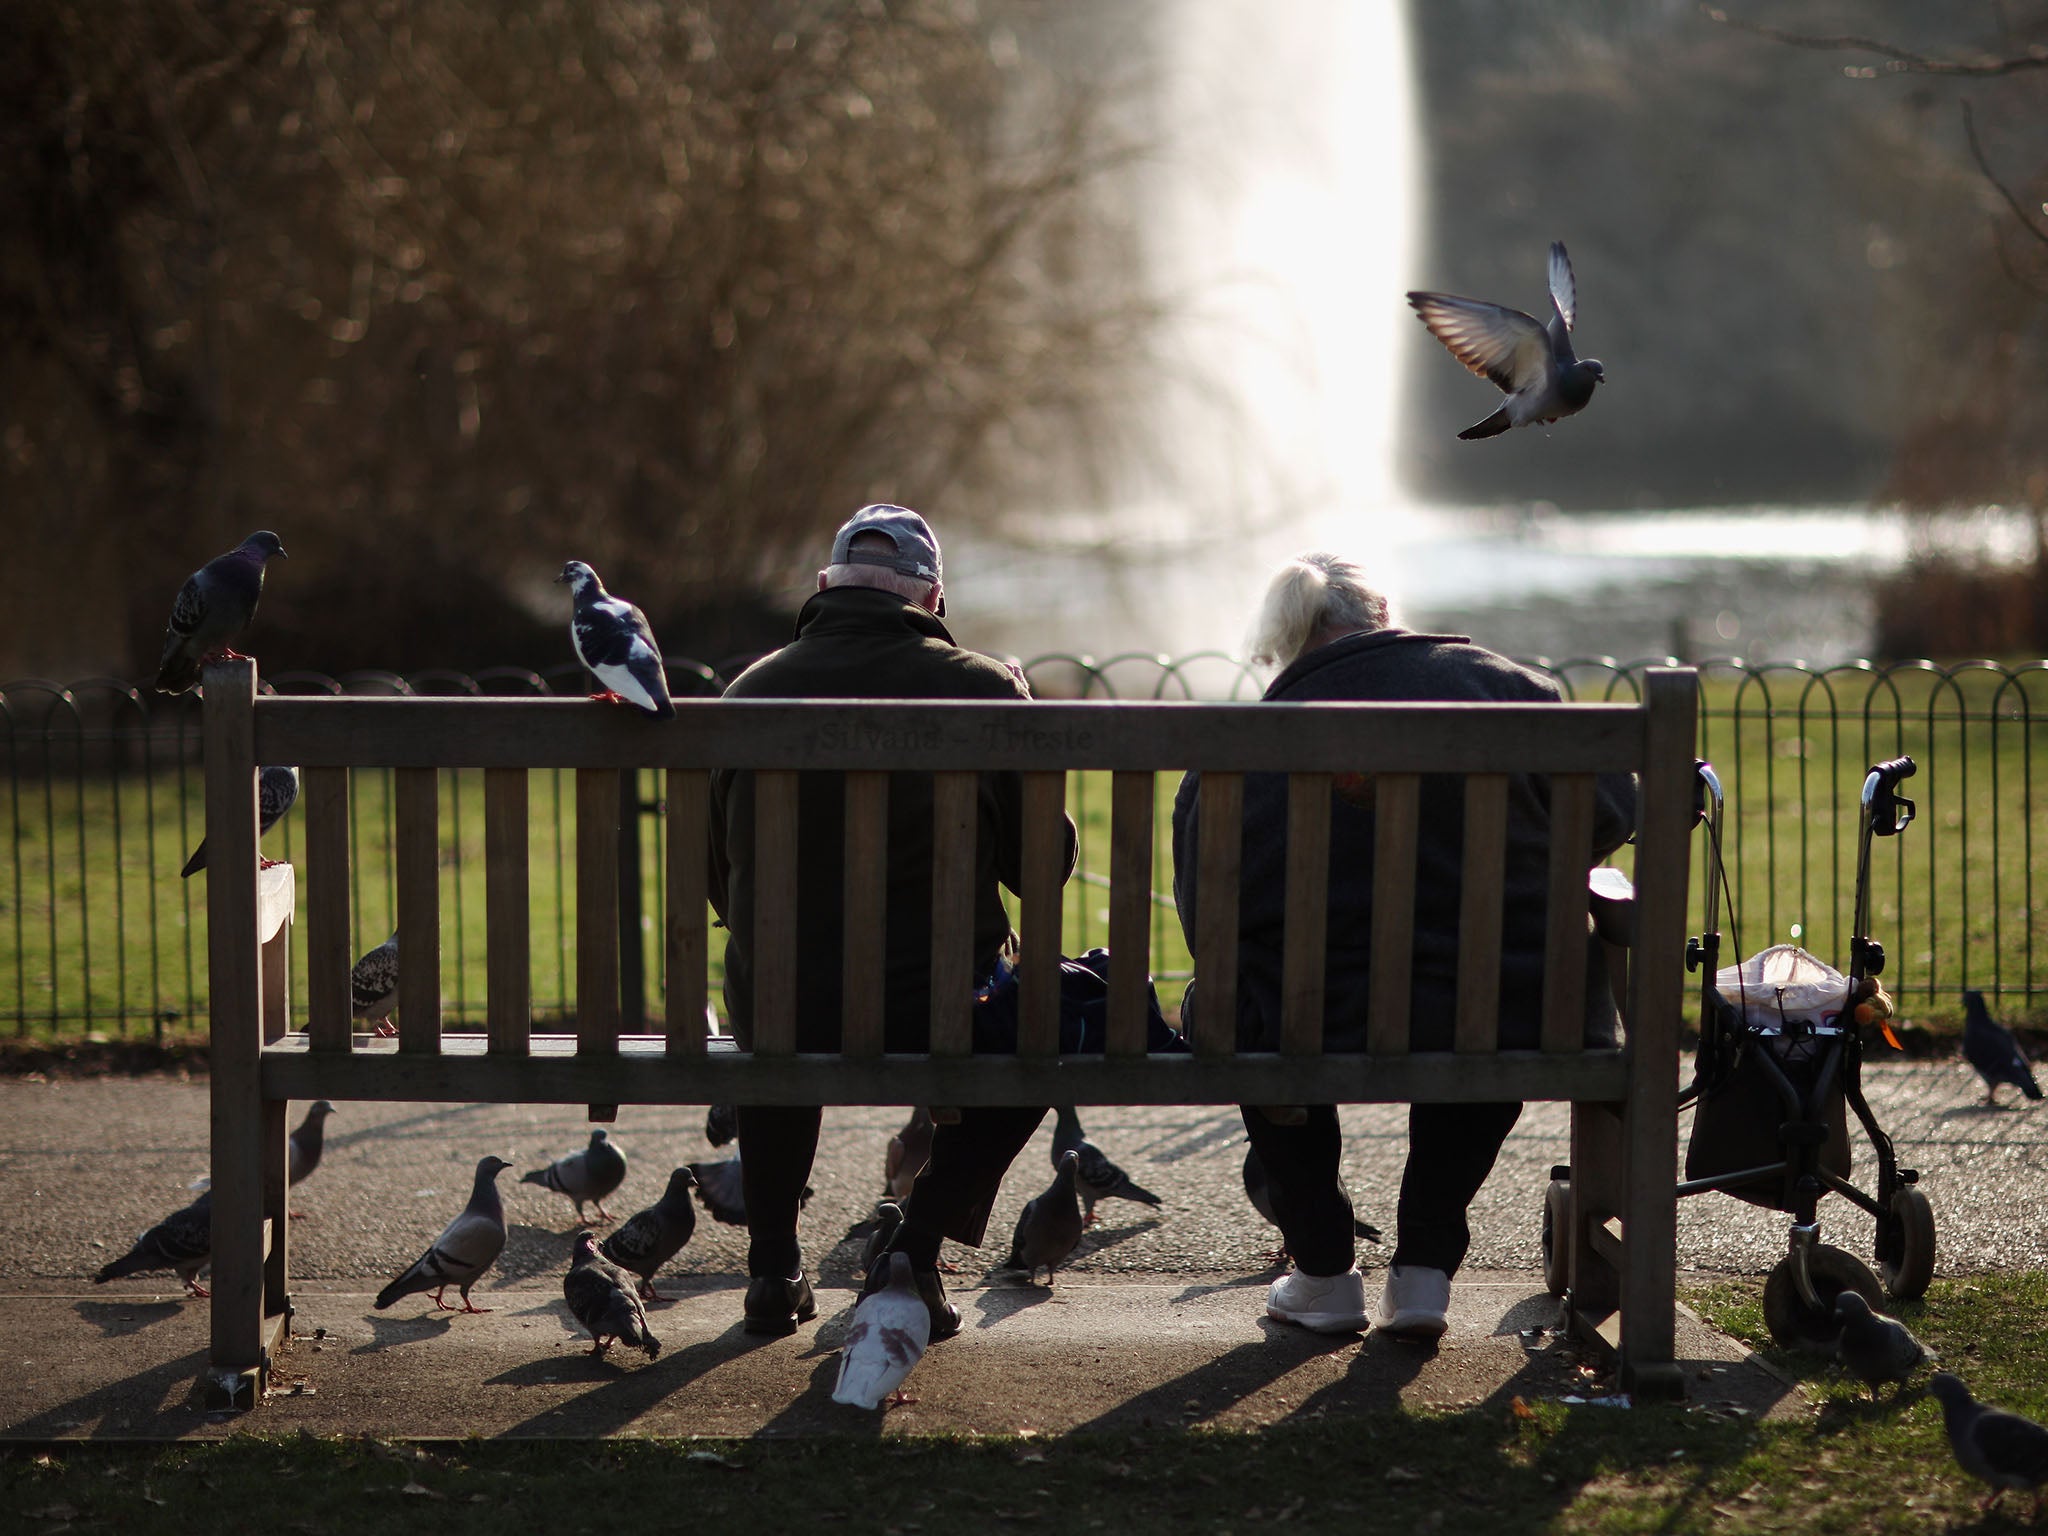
912,589
1310,595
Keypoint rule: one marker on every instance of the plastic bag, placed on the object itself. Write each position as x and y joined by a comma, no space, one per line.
1784,984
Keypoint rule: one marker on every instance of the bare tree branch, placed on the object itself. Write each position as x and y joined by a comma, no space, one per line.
2019,209
1898,60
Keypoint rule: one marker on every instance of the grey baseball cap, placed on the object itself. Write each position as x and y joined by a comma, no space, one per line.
917,552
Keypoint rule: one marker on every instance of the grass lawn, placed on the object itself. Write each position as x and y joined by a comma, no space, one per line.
1848,1467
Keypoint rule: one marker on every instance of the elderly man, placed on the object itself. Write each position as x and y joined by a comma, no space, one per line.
872,630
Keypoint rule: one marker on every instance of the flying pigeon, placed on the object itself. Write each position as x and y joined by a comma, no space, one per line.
277,791
216,602
724,1195
1875,1347
1532,363
650,1238
182,1241
304,1146
909,1150
613,642
1258,1190
467,1246
890,1330
1049,1227
2004,1449
721,1123
373,986
1990,1047
600,1295
1099,1178
589,1175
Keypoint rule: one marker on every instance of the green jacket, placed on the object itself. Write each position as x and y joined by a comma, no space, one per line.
860,643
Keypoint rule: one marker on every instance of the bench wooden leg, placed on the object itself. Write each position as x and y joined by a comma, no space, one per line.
1595,1204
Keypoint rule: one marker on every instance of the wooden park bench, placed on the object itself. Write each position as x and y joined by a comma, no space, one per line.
1621,1238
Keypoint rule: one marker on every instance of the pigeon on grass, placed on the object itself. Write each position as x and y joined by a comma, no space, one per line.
1049,1226
467,1246
1529,360
1097,1177
182,1241
1874,1347
2003,1449
1258,1189
373,987
601,1297
589,1175
277,791
648,1239
615,644
890,1330
216,603
1990,1047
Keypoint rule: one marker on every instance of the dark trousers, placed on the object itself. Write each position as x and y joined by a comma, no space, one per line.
952,1197
1451,1149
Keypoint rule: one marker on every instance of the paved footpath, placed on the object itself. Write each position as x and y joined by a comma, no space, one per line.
1159,1318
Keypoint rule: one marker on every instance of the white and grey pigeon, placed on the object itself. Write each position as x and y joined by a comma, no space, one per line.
589,1175
304,1146
615,644
648,1239
1097,1177
373,986
1530,361
467,1246
907,1153
890,1330
1990,1047
1049,1227
277,791
601,1297
215,604
1874,1347
1258,1189
2004,1449
182,1241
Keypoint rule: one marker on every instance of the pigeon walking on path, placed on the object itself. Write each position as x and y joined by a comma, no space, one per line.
721,1123
589,1175
1530,362
2004,1449
1874,1347
373,986
1097,1177
216,603
1990,1047
907,1153
182,1241
1049,1227
467,1246
601,1297
304,1146
277,791
890,1330
1258,1189
724,1192
648,1239
614,642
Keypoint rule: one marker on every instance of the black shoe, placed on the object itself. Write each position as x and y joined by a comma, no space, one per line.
776,1306
945,1316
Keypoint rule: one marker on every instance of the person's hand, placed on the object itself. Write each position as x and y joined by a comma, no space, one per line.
1017,671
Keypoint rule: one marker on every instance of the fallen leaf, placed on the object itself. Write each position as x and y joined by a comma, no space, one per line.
1520,1409
421,1490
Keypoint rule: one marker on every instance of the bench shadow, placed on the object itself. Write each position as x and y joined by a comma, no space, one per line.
1212,1389
620,1391
812,1410
393,1332
998,1300
163,1403
117,1320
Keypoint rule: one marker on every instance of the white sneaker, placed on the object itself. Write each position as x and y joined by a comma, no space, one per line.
1416,1302
1319,1303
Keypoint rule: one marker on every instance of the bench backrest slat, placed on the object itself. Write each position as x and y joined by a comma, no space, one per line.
954,825
1219,860
1482,881
1564,940
597,910
508,972
865,908
1397,809
1039,913
688,947
1308,883
328,959
416,819
1132,797
775,934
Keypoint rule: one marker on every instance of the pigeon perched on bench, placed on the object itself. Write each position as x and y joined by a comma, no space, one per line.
467,1246
615,644
648,1239
373,986
601,1297
1874,1347
2003,1449
1049,1227
277,791
216,603
182,1241
1990,1047
890,1331
589,1175
1096,1176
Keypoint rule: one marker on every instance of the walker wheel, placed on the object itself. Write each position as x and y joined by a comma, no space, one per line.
1557,1247
1795,1325
1910,1264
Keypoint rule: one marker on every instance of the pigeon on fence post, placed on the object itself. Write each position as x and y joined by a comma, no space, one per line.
467,1246
1990,1047
277,791
589,1175
648,1239
216,603
615,644
182,1241
1049,1227
601,1297
2004,1449
1096,1176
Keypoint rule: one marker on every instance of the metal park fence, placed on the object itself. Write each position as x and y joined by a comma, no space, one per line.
100,939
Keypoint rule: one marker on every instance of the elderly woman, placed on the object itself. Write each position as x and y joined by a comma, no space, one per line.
1328,634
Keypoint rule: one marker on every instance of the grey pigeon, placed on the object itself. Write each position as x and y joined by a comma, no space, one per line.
615,644
1531,362
721,1123
723,1192
1098,1177
888,1221
1049,1227
373,986
216,602
589,1175
467,1246
277,791
601,1297
2004,1449
304,1146
1990,1047
182,1241
890,1330
1258,1190
1875,1347
648,1239
908,1151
